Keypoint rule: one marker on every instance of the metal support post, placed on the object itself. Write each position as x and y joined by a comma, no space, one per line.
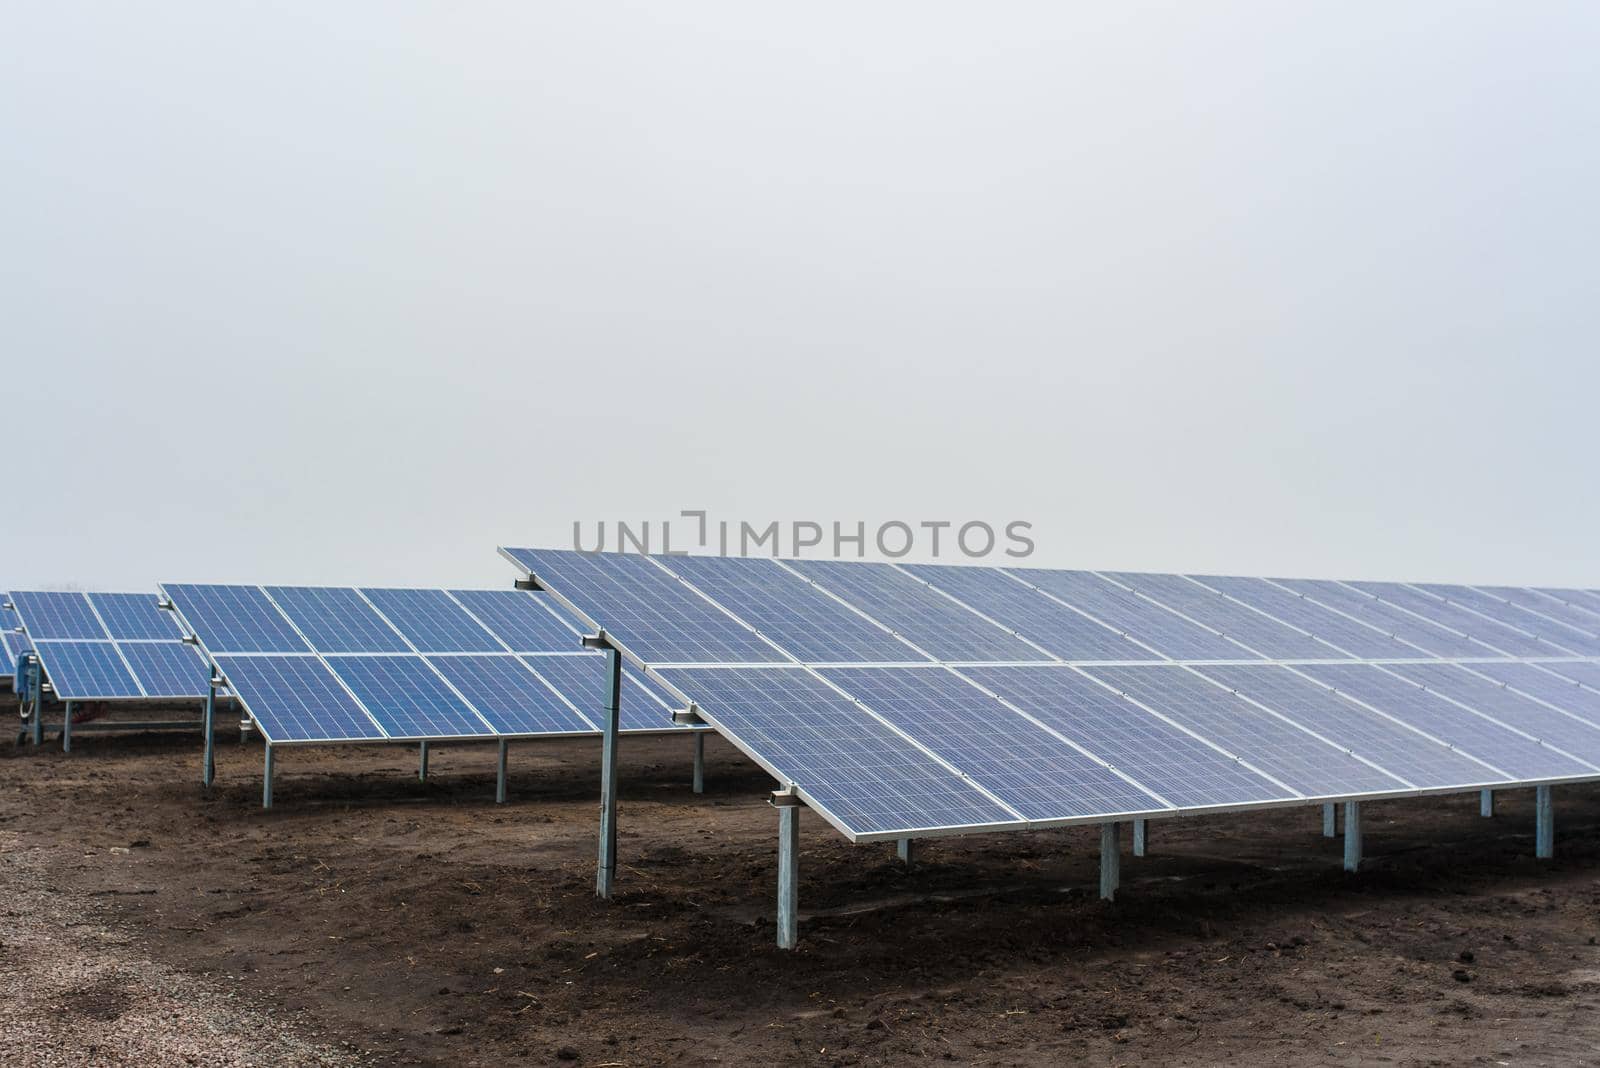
1330,820
422,762
37,671
700,762
500,775
66,727
1110,860
266,778
1486,803
607,873
1352,835
208,770
788,876
1544,838
906,850
1141,837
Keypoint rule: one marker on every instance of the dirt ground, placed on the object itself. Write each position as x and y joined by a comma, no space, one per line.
373,919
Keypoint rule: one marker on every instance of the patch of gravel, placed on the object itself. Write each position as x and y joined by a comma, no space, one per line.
74,991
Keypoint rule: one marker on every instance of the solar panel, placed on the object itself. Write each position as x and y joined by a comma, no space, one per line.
520,619
1584,671
583,680
1424,762
1583,600
647,610
1549,688
166,669
1169,634
1352,636
908,607
1422,633
1503,638
1023,764
297,699
1165,760
1543,604
433,622
1065,632
87,670
850,766
1230,618
407,698
511,697
336,619
804,621
234,619
58,616
1410,693
135,616
1311,765
1558,636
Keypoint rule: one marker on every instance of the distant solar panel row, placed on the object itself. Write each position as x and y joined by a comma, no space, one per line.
109,646
903,699
318,664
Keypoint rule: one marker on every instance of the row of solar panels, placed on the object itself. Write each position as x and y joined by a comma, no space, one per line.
906,700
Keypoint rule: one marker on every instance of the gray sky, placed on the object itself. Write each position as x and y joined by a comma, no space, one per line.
355,292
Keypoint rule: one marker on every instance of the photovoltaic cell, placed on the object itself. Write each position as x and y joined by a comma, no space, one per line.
1560,638
167,669
1421,761
1012,757
1549,688
1489,632
908,607
406,697
1545,605
804,621
296,699
1287,753
1427,636
1160,757
868,777
1239,622
433,622
1170,635
510,696
1067,633
1354,638
86,670
135,616
234,619
1583,671
1581,600
335,619
51,616
582,680
1476,731
649,612
520,620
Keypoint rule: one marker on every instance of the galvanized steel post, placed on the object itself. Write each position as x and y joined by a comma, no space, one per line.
788,876
500,775
1486,803
1110,860
1330,820
208,769
906,850
1544,837
66,728
1352,836
608,776
266,778
1141,837
422,763
699,761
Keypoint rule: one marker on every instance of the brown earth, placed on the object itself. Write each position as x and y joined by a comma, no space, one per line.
399,922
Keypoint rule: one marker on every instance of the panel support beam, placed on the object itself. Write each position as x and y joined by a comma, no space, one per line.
1110,860
422,763
500,774
1486,803
266,778
1352,836
700,762
1330,820
607,873
788,876
1544,819
1141,837
66,727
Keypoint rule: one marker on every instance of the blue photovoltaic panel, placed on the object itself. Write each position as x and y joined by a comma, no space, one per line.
1552,689
521,620
1489,632
806,622
1421,761
1007,754
53,616
335,619
1432,638
15,644
1584,671
1581,600
167,669
86,670
1168,634
1559,636
433,622
510,696
297,699
234,619
1287,753
1157,755
905,605
1545,605
1572,734
870,779
582,680
406,697
135,616
1068,634
651,613
1472,731
1245,625
1354,638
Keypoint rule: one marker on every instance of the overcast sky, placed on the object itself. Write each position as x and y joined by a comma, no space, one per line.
356,292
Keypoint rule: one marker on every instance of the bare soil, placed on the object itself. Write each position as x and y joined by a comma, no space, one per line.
372,916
